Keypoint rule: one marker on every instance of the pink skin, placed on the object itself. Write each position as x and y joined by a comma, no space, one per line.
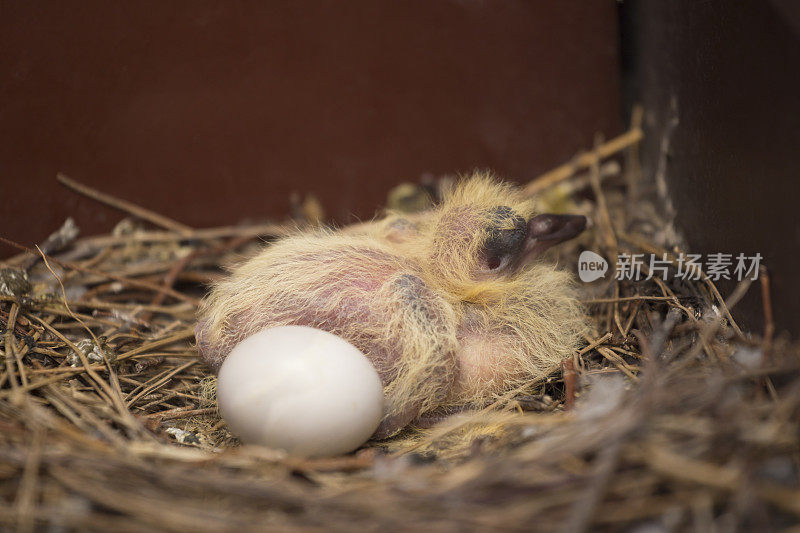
366,309
352,311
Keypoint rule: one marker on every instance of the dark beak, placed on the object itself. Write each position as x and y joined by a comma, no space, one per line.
545,231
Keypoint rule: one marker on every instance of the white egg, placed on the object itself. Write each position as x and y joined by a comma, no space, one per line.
300,389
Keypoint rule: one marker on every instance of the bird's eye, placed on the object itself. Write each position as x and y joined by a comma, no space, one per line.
505,237
494,263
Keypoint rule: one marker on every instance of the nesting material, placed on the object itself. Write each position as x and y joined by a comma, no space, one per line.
666,416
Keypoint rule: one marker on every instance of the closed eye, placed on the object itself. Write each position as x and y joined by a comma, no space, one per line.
492,264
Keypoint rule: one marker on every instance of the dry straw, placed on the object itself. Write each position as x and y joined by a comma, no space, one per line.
668,415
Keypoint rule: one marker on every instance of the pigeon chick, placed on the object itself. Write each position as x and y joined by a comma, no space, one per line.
452,307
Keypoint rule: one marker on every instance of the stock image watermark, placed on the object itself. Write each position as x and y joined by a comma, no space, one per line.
717,266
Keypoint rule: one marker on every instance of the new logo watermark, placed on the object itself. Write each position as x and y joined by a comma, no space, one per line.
592,266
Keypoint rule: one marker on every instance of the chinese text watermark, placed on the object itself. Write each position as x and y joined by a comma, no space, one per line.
717,266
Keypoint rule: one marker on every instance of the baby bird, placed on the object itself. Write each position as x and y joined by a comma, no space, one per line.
452,308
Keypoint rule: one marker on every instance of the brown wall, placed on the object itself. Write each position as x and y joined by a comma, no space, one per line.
214,112
730,73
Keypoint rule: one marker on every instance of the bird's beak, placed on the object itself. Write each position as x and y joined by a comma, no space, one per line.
545,231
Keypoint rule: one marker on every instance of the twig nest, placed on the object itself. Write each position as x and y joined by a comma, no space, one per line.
300,389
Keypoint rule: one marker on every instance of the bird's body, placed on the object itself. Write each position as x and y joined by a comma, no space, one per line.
451,309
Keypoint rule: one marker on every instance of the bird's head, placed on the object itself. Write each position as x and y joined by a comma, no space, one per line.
485,232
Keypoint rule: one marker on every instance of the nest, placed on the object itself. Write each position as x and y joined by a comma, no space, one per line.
669,416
